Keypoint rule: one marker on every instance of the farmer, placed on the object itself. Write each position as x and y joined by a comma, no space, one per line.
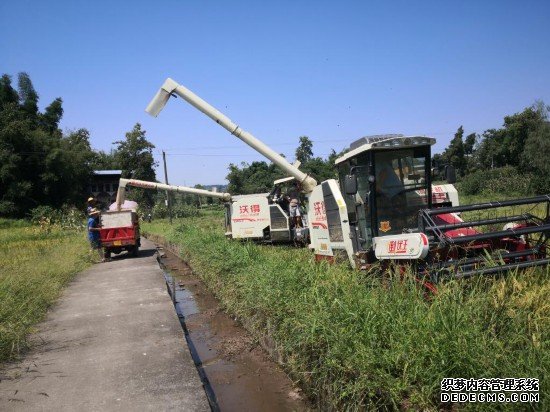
294,211
91,204
293,197
93,232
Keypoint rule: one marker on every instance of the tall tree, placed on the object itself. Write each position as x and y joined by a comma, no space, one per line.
304,152
135,156
504,146
535,157
27,94
102,160
454,154
7,92
52,115
469,143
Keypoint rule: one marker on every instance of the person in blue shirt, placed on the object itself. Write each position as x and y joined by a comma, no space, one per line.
93,232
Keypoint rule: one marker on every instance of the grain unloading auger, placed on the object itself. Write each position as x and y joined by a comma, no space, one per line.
385,208
123,183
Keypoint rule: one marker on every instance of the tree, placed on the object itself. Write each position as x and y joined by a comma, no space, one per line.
256,177
38,165
27,94
52,115
469,143
8,95
320,168
504,146
304,151
135,157
454,154
535,157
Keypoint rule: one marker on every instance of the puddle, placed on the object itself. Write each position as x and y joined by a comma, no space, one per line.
237,373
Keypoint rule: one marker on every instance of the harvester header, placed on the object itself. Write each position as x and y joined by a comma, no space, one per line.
170,87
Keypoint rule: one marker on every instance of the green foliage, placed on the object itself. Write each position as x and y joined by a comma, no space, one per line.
105,161
355,341
304,151
455,153
496,182
469,143
27,94
258,177
38,165
504,147
52,115
536,158
518,152
179,210
7,94
66,217
134,154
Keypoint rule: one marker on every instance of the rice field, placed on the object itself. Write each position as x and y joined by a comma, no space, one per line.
354,341
35,264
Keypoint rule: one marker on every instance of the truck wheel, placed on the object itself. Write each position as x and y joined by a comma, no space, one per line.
135,251
107,253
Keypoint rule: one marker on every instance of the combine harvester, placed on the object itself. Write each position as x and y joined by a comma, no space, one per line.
384,208
256,217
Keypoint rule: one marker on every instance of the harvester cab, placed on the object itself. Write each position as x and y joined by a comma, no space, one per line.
395,213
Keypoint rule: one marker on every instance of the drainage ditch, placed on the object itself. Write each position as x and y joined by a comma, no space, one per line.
236,372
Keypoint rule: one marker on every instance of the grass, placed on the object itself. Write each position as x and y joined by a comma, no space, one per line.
353,341
35,264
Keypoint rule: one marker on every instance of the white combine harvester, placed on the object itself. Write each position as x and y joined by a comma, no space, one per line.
256,217
385,208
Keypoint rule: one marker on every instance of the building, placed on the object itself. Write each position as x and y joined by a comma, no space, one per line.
104,186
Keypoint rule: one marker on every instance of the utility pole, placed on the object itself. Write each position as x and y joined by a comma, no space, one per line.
168,202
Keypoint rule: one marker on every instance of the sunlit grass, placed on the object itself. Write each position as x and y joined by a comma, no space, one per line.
355,341
35,264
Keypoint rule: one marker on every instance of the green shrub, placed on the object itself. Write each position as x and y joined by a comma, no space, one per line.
67,217
503,182
160,211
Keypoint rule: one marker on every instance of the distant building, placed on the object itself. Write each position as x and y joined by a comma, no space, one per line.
104,186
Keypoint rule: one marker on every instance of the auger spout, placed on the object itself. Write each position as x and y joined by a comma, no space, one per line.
171,87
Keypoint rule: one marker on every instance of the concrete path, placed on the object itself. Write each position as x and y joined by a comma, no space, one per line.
112,342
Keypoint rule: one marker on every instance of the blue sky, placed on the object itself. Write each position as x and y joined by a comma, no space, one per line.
334,71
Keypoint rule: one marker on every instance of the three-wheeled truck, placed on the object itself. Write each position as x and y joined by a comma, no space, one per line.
120,232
